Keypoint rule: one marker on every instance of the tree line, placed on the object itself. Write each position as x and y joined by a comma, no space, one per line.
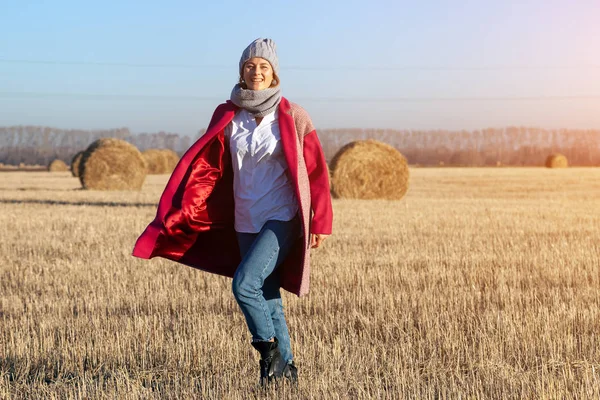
39,145
518,146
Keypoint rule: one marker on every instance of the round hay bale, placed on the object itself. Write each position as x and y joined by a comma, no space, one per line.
156,162
57,166
369,169
172,160
557,161
75,164
112,164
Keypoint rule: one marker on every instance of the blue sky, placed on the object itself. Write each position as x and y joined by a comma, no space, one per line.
155,66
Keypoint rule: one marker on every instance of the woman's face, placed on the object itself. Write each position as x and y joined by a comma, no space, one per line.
257,73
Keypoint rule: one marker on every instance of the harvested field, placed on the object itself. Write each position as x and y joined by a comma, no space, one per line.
480,283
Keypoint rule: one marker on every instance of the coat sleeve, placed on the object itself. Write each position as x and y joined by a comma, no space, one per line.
318,176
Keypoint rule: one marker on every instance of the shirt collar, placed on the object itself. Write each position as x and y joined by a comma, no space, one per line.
270,117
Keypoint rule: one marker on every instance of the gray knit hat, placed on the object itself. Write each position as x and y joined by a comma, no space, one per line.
263,48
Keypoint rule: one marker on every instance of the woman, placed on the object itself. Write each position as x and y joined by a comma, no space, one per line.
248,200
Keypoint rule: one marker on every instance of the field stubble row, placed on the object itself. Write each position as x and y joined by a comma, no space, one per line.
480,283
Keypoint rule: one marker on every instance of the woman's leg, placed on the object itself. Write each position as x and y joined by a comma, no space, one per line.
272,295
256,281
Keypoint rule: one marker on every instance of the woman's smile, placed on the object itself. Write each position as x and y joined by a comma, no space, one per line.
258,73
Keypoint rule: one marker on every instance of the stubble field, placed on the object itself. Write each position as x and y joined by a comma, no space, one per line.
480,283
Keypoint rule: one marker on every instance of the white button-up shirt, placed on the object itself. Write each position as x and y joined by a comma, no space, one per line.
261,186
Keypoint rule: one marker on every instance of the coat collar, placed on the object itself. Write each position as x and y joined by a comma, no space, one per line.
287,128
289,139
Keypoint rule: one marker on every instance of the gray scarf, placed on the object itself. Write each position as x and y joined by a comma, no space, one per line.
258,102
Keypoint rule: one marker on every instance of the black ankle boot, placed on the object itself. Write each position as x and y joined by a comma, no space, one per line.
290,372
272,365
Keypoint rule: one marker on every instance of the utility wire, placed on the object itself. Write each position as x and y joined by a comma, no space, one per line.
100,96
305,68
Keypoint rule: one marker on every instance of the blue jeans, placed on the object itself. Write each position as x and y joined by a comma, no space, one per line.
256,281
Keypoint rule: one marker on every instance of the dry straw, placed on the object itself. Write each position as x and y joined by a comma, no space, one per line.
160,161
58,166
156,162
369,169
172,159
112,164
557,161
75,161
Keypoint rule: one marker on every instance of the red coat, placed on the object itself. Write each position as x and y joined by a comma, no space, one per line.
194,221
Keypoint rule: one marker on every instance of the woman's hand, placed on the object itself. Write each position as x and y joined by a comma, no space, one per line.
316,239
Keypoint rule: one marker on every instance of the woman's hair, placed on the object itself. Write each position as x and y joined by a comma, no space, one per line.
273,84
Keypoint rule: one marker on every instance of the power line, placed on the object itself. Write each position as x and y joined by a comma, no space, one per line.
306,68
100,96
442,99
111,64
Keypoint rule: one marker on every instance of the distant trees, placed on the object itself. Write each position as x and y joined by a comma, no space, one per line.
524,146
41,144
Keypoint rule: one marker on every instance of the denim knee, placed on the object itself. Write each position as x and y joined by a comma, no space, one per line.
242,287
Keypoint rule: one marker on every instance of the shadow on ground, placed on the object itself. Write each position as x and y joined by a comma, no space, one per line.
77,203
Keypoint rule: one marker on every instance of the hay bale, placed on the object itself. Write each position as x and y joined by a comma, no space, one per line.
75,164
57,166
112,164
156,162
160,161
369,169
557,161
172,160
